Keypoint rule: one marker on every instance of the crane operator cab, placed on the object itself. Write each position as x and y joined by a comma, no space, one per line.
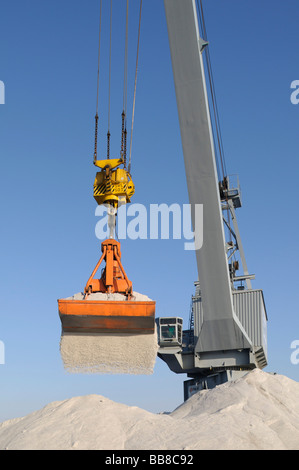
170,331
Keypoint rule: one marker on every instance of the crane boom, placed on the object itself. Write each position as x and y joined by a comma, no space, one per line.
220,329
227,332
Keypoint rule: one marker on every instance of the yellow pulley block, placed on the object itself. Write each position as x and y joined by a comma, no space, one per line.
113,185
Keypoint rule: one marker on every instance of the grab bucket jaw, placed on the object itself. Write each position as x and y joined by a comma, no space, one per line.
108,316
94,316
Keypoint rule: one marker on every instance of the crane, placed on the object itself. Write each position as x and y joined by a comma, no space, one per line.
227,334
113,186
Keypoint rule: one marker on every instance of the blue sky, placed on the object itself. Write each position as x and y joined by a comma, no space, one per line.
48,63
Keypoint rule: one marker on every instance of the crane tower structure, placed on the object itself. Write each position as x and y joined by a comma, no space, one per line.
227,330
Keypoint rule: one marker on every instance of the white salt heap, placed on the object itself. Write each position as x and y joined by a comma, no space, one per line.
259,411
136,296
109,353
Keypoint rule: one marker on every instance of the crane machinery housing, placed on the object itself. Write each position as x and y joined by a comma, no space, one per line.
227,334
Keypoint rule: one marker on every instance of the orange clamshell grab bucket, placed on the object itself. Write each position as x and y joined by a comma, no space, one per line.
108,316
94,316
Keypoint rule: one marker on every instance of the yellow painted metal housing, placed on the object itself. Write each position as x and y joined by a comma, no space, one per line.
112,185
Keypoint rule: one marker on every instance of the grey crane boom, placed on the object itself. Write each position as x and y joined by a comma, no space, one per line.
220,340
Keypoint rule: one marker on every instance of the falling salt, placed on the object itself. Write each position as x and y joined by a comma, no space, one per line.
101,353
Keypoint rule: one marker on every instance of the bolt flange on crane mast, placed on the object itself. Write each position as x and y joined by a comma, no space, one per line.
227,326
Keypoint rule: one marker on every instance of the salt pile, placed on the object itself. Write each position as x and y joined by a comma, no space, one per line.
113,296
109,353
259,411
